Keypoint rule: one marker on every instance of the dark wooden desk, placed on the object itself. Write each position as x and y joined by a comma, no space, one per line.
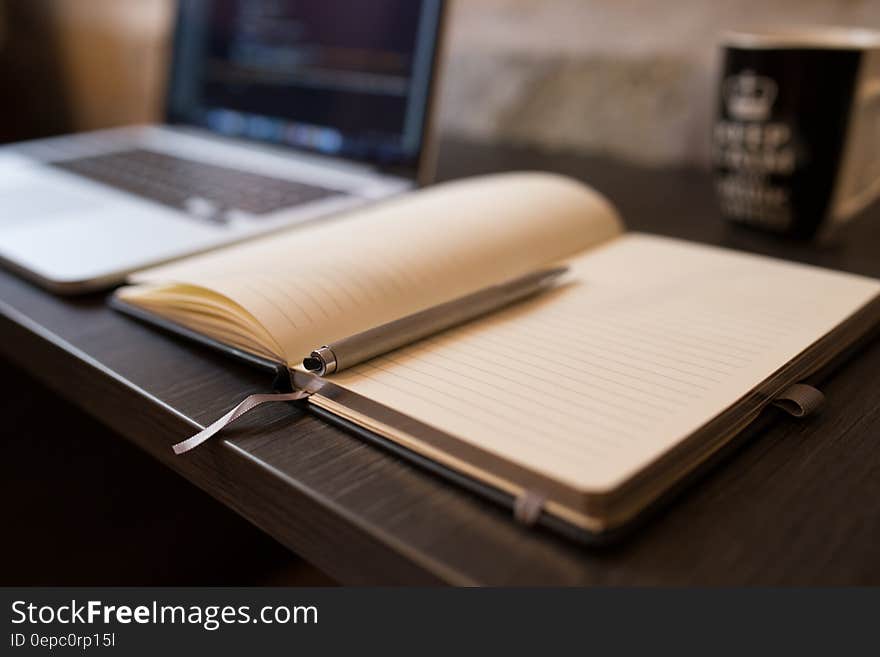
800,505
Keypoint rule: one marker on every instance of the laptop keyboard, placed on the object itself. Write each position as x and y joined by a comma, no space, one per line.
203,190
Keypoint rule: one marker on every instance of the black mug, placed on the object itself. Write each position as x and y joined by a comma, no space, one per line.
796,143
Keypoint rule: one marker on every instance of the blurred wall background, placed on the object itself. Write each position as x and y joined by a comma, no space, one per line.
628,78
631,78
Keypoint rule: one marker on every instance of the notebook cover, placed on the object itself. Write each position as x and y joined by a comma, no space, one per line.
278,370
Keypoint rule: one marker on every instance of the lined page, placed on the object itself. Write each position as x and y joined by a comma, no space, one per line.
650,339
313,285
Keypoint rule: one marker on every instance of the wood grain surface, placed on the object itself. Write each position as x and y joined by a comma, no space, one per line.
800,504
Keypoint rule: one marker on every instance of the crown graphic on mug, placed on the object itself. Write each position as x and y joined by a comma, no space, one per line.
749,97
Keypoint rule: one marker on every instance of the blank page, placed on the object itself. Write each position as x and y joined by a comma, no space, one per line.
650,339
312,285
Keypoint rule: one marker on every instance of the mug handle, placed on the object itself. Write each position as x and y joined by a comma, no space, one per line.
858,181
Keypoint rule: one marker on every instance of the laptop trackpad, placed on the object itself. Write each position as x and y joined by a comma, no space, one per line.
35,200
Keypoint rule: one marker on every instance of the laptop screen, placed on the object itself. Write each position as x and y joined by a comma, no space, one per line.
349,78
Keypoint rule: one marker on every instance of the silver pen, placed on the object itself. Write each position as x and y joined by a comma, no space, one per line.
357,348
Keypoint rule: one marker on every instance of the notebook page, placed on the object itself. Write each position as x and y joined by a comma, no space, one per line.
651,338
313,285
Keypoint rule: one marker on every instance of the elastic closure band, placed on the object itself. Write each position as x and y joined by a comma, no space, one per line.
528,506
800,400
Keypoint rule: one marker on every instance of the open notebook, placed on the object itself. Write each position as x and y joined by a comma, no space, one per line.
591,400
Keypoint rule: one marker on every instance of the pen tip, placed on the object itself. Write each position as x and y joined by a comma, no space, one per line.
311,364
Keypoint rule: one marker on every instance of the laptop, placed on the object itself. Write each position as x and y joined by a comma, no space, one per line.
277,113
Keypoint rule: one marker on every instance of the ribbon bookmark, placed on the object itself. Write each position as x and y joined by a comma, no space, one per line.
247,404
